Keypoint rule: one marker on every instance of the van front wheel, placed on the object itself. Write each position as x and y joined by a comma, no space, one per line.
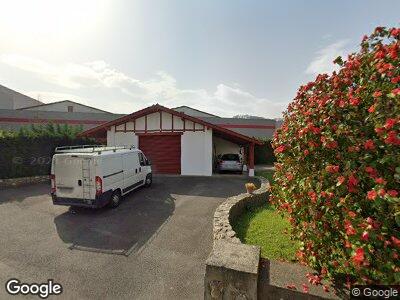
115,199
149,180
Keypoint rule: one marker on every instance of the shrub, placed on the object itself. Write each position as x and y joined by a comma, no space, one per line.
28,152
264,154
338,164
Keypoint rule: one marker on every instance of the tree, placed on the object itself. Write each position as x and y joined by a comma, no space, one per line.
338,164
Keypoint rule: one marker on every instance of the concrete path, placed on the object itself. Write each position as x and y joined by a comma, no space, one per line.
153,246
264,167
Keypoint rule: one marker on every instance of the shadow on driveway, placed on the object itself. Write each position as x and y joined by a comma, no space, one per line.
122,230
140,216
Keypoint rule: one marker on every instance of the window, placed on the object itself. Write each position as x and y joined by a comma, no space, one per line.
142,159
70,108
230,157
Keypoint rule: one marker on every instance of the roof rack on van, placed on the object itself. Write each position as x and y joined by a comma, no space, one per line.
90,148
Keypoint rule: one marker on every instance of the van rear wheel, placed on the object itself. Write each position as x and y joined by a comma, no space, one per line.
115,199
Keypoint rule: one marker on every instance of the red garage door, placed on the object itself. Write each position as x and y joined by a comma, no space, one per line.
164,151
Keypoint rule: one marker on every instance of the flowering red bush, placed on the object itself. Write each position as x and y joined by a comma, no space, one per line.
338,164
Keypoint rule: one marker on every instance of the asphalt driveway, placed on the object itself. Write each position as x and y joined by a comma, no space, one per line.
153,246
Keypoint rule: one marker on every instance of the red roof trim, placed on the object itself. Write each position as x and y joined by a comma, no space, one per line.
56,121
156,108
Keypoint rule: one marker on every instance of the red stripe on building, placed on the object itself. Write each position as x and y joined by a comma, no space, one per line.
247,126
56,121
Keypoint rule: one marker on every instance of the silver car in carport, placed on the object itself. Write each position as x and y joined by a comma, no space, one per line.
229,162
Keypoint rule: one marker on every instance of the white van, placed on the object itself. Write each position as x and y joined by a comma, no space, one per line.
94,176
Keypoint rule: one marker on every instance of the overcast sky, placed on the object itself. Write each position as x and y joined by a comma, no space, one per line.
225,57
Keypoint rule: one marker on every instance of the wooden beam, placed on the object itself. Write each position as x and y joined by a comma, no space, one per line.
160,120
124,127
184,124
159,133
134,124
251,156
145,123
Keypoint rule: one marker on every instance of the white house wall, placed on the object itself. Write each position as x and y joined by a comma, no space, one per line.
121,138
196,146
196,153
222,146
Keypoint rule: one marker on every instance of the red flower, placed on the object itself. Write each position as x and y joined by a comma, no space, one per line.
381,192
371,171
305,288
371,109
341,179
392,138
392,193
358,257
313,196
396,91
379,130
390,123
395,79
377,94
354,101
349,228
380,180
369,145
332,169
395,32
365,236
395,241
306,152
280,149
352,214
352,183
353,180
371,195
331,145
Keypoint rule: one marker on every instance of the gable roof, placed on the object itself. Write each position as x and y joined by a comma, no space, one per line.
13,92
102,129
198,110
51,103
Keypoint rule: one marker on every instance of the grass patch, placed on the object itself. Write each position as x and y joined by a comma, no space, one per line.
268,174
263,226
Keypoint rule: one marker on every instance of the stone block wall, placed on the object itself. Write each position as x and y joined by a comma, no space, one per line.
233,207
232,267
14,182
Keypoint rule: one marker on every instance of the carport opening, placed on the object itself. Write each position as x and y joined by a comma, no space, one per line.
223,146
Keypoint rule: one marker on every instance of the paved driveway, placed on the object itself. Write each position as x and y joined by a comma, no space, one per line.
153,246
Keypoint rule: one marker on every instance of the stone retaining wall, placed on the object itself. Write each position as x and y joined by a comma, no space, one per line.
14,182
233,207
232,267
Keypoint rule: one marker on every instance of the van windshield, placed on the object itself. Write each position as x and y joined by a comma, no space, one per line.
230,157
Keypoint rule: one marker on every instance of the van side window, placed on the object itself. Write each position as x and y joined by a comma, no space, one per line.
141,159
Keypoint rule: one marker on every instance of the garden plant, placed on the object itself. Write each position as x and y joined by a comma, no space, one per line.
338,165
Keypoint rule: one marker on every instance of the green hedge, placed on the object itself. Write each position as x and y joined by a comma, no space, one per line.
29,151
264,154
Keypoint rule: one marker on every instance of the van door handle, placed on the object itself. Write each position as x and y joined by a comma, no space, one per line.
136,171
140,169
80,182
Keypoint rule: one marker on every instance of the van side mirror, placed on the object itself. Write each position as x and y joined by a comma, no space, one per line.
148,162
